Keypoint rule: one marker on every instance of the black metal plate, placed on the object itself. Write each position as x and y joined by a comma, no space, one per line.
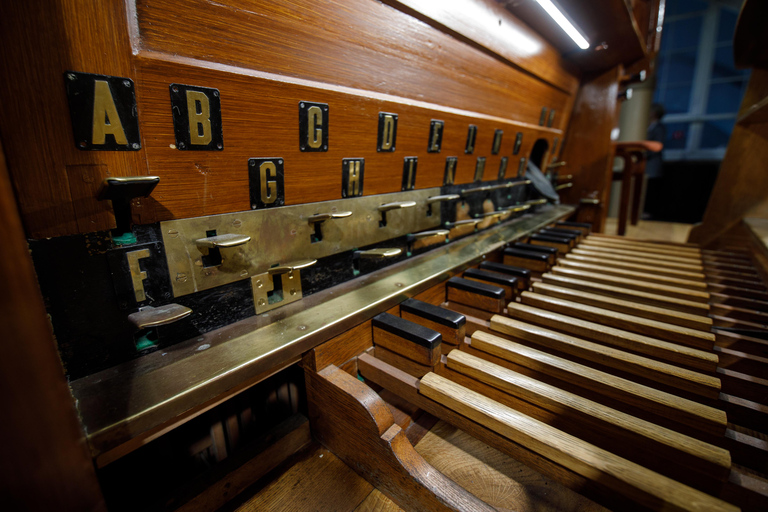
497,136
349,168
503,168
266,181
207,135
480,168
435,141
387,132
119,101
410,165
518,143
317,140
471,138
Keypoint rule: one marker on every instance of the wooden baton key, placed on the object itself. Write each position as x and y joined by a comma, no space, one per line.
406,338
450,325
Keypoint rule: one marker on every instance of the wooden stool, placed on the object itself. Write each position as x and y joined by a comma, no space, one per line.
633,153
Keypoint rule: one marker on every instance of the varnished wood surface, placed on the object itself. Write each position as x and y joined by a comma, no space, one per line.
634,284
356,424
601,425
609,263
699,322
406,386
693,267
45,464
588,145
660,330
634,480
641,397
263,67
653,299
333,486
647,276
659,372
405,347
492,476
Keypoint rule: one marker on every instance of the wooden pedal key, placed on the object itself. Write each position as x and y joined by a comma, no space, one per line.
407,345
584,227
523,275
562,244
536,261
481,296
551,252
507,282
450,325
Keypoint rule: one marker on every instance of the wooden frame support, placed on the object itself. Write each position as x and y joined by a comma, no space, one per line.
351,420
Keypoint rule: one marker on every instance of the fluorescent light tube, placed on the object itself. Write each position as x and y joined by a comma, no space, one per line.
566,25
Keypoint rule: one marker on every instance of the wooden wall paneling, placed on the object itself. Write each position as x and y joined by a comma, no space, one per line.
45,463
36,130
401,56
494,28
742,182
588,143
260,119
405,57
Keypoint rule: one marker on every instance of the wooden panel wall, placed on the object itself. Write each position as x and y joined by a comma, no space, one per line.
588,145
361,57
45,464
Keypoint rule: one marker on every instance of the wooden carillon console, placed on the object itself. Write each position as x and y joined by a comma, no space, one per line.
289,255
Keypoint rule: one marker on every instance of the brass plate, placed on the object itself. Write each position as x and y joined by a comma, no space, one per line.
126,406
280,235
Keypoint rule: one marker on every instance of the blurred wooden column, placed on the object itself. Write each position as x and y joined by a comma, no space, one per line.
45,463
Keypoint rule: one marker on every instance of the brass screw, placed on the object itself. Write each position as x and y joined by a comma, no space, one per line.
262,302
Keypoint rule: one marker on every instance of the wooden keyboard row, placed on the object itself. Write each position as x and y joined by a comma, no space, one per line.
602,375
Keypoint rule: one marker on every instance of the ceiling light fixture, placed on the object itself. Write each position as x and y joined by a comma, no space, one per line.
566,25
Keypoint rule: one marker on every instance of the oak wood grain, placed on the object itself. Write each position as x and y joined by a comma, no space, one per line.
409,366
659,372
681,274
647,276
653,299
637,399
704,341
643,485
660,314
407,387
601,425
635,284
636,259
352,421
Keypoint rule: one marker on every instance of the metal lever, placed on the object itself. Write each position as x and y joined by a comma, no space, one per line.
223,241
589,200
447,197
396,206
290,267
427,234
557,164
465,222
536,202
322,217
517,208
384,208
149,316
469,191
278,286
379,253
120,190
563,186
